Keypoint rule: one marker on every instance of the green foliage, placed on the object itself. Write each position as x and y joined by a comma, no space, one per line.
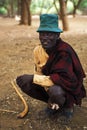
69,7
42,6
3,11
5,5
52,10
2,2
47,6
83,4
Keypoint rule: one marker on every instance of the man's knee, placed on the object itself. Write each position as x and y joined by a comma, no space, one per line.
56,90
56,95
25,82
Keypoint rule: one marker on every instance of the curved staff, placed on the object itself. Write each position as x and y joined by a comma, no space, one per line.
26,108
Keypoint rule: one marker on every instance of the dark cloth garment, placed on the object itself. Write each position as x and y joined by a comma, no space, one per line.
55,94
38,92
65,70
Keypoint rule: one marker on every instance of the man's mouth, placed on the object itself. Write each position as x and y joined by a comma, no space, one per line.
45,43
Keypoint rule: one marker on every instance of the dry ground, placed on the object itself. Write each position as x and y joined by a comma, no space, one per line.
16,58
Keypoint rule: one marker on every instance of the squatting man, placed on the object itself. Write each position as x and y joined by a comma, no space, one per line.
58,75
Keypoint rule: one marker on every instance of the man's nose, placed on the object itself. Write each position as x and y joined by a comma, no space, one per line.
45,37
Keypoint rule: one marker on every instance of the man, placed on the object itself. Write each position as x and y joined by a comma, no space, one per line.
58,76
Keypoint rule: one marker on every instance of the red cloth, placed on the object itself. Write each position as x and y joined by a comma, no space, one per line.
65,69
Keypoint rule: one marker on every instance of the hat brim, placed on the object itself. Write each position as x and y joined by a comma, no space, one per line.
49,30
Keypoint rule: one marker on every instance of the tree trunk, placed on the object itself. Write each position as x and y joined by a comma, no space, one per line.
75,7
12,8
19,7
54,3
63,15
25,12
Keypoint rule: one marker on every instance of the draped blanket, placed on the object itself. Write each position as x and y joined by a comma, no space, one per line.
64,68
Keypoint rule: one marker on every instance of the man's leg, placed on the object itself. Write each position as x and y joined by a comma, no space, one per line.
25,82
37,92
56,95
56,100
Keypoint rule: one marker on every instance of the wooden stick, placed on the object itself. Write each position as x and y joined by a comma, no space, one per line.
26,108
4,110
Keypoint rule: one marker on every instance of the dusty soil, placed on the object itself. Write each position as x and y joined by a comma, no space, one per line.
16,58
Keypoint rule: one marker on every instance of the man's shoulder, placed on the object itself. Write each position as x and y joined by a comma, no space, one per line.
64,46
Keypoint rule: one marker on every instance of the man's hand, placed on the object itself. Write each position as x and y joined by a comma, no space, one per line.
42,80
24,82
54,106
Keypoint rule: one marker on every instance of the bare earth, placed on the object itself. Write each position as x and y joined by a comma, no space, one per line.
16,58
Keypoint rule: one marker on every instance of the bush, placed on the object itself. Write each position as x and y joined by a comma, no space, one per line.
3,10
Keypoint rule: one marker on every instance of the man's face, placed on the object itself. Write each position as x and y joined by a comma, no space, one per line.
48,39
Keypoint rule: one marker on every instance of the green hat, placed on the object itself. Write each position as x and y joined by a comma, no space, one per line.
49,22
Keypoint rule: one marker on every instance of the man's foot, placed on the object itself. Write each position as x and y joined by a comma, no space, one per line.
48,112
66,116
68,113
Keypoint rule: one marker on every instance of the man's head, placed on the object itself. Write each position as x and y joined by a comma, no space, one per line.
48,30
48,39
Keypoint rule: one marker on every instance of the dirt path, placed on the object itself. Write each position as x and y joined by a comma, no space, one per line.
16,58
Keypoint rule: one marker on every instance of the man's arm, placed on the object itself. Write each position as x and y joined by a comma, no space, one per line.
43,80
40,59
63,73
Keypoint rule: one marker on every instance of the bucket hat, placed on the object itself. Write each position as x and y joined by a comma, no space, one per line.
49,22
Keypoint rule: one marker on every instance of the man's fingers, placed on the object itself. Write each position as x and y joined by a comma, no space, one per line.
55,106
